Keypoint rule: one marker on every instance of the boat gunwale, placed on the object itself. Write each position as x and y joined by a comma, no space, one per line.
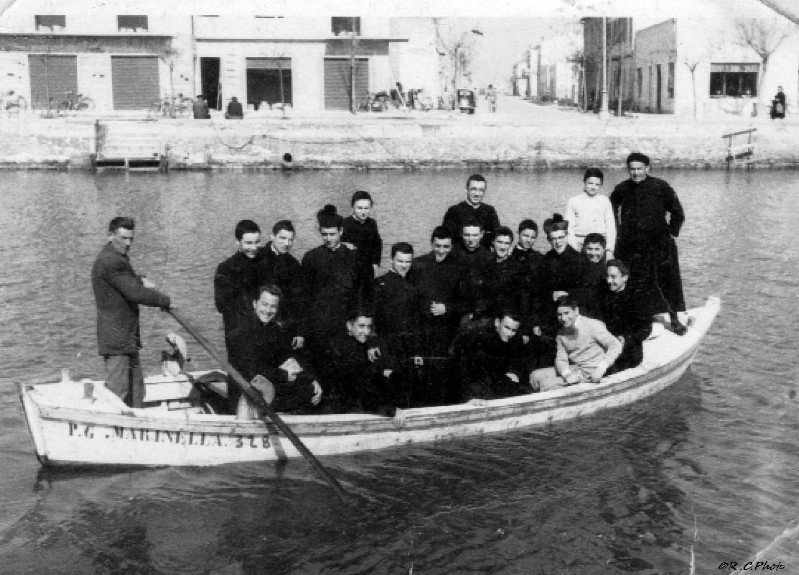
418,419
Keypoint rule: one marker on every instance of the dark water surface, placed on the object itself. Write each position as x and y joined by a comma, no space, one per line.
703,473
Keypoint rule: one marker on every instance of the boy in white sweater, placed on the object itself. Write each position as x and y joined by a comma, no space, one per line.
591,212
586,349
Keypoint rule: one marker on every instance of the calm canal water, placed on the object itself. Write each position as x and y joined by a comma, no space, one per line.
703,473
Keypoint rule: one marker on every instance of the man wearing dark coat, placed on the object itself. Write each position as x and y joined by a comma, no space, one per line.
474,258
473,208
649,217
237,278
279,267
361,231
200,108
262,345
506,286
335,280
626,316
234,109
560,271
494,360
593,276
438,277
396,305
355,379
118,292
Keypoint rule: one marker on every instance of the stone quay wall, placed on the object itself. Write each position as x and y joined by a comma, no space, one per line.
381,142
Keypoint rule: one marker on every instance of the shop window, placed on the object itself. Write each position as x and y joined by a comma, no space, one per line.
346,26
733,80
132,23
50,21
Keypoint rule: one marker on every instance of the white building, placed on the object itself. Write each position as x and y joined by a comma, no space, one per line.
126,54
556,71
702,67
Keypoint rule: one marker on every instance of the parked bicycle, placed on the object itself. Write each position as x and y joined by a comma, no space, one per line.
74,102
178,106
13,103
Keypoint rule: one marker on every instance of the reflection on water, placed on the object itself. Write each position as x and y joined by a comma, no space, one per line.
706,468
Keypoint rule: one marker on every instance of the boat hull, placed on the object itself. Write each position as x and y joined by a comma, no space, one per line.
70,428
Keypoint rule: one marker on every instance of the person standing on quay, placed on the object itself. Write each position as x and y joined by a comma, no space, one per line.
650,217
118,292
473,208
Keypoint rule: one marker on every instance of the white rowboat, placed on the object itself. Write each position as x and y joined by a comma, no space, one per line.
71,427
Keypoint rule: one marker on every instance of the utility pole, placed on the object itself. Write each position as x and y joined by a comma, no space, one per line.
603,110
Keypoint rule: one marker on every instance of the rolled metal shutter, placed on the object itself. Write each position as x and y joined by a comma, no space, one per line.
337,80
134,81
51,76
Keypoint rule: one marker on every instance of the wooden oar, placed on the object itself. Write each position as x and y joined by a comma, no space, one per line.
256,397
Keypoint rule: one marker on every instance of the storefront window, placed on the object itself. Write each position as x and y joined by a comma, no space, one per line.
733,80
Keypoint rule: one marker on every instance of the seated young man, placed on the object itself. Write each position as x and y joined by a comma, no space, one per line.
494,361
585,350
263,346
593,275
355,371
626,316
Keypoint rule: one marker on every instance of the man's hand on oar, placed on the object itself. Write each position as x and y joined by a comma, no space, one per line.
248,390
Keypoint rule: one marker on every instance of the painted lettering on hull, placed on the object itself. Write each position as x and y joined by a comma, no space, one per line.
191,438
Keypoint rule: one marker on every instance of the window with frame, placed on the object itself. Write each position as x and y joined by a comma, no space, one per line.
345,25
50,21
670,84
733,80
134,23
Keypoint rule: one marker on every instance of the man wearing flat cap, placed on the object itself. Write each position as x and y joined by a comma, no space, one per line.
649,217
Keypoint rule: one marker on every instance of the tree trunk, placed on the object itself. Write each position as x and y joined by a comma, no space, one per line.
352,72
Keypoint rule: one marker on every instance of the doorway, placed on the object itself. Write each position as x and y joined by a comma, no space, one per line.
659,88
209,82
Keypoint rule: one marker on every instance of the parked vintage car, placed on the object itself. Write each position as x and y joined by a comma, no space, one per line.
466,101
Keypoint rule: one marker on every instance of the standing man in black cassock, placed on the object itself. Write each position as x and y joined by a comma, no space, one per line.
649,217
279,267
439,278
473,208
336,281
237,278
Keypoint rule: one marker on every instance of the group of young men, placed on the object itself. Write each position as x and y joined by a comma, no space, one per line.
482,315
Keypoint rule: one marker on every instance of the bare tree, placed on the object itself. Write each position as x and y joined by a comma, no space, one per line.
458,53
763,36
170,55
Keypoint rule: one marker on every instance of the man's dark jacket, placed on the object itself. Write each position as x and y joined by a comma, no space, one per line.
118,291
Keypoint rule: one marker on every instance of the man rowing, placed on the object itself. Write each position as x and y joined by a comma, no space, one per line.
118,292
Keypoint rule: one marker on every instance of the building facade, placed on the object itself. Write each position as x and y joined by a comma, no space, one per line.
619,62
555,67
125,55
695,67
